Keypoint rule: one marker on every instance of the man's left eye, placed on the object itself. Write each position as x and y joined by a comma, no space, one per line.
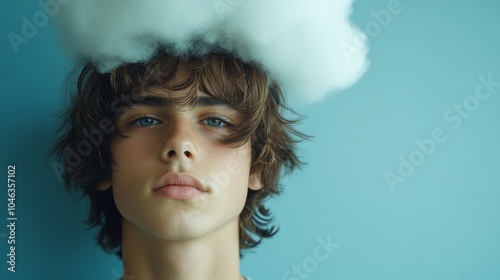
215,122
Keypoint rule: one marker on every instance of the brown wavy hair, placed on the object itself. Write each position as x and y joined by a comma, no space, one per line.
83,149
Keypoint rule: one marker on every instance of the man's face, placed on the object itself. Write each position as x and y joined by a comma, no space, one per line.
167,151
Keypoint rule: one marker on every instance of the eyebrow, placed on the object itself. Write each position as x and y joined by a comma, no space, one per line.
159,101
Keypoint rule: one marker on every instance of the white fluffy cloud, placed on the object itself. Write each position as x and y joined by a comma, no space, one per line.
302,43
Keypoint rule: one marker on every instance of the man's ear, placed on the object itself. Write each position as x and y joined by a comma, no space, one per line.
104,185
254,181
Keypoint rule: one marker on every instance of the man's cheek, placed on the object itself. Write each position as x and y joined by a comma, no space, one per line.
226,174
234,168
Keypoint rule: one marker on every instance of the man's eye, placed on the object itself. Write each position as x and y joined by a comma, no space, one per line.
145,121
215,122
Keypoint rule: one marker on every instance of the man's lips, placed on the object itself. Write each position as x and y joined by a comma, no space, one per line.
178,180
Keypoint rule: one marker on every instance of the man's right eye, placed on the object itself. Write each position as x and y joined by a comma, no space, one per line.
145,122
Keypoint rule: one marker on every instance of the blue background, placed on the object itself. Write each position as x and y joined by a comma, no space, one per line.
441,223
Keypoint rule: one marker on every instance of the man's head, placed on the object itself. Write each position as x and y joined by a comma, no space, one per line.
213,118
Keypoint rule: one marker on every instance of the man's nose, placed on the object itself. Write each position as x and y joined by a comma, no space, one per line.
179,143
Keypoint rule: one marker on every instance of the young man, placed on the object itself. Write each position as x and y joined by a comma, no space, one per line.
177,156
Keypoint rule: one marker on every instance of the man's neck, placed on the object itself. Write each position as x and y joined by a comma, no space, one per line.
213,256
